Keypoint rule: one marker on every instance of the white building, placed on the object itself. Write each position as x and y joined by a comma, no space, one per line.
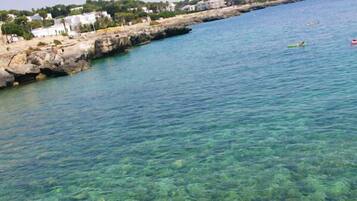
214,4
11,16
210,4
171,7
49,16
69,24
202,5
38,17
189,8
34,17
74,21
54,30
132,9
146,10
76,9
104,14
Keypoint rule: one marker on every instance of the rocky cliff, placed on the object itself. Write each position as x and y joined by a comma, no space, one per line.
36,64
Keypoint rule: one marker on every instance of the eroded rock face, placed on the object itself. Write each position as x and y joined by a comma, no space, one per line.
37,65
18,59
57,64
140,38
110,44
116,43
23,69
24,73
174,31
6,79
68,68
213,18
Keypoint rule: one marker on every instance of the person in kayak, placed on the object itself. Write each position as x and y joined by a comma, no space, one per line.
301,44
296,45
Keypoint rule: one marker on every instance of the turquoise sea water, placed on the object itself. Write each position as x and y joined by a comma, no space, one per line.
226,112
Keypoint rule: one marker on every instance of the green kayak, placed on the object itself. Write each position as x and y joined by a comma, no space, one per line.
295,46
300,44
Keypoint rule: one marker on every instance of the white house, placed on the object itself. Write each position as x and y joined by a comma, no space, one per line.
202,5
49,16
74,21
214,4
171,7
69,24
146,10
34,17
104,14
54,30
132,9
11,16
189,8
210,4
76,9
38,17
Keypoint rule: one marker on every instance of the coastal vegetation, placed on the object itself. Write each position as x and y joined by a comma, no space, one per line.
57,42
48,59
123,12
19,28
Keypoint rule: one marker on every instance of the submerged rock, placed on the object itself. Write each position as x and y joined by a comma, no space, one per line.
178,163
41,77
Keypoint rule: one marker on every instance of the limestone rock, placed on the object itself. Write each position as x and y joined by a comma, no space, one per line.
110,44
116,43
24,73
23,69
140,38
6,79
69,67
18,59
179,30
41,76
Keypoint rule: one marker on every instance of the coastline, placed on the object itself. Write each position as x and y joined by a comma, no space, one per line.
25,62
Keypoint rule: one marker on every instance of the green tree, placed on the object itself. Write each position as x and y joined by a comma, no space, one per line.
3,16
22,20
47,23
18,29
89,7
35,24
43,14
125,18
76,12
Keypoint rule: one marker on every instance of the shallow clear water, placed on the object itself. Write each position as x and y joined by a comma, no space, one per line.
226,112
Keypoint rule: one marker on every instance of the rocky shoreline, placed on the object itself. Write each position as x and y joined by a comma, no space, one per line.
24,66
